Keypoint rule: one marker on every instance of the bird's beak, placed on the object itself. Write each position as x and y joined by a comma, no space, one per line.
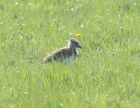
80,46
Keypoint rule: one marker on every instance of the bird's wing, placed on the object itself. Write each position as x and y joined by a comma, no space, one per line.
60,54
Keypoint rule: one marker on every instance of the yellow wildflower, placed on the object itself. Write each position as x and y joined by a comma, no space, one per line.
77,34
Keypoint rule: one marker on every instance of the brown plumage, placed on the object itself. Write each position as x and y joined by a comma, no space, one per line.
64,53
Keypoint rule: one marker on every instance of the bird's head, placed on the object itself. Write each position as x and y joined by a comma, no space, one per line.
73,43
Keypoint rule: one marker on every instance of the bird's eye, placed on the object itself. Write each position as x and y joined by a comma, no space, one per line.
77,43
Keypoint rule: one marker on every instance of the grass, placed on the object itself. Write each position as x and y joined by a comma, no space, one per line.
106,74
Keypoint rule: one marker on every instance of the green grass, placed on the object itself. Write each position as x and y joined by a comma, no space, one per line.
106,74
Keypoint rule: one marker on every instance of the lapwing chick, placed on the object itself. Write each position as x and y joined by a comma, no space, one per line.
65,53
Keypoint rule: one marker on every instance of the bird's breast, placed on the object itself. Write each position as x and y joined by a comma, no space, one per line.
71,57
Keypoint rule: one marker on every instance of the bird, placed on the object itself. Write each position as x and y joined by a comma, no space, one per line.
65,53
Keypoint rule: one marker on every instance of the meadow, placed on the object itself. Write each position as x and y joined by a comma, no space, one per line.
106,73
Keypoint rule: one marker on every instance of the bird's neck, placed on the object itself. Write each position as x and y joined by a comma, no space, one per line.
73,50
71,46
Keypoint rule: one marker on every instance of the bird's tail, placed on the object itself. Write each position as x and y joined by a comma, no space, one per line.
46,60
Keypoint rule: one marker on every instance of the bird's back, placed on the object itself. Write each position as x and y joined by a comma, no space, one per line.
60,54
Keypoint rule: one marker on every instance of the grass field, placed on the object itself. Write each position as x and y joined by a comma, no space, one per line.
106,74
